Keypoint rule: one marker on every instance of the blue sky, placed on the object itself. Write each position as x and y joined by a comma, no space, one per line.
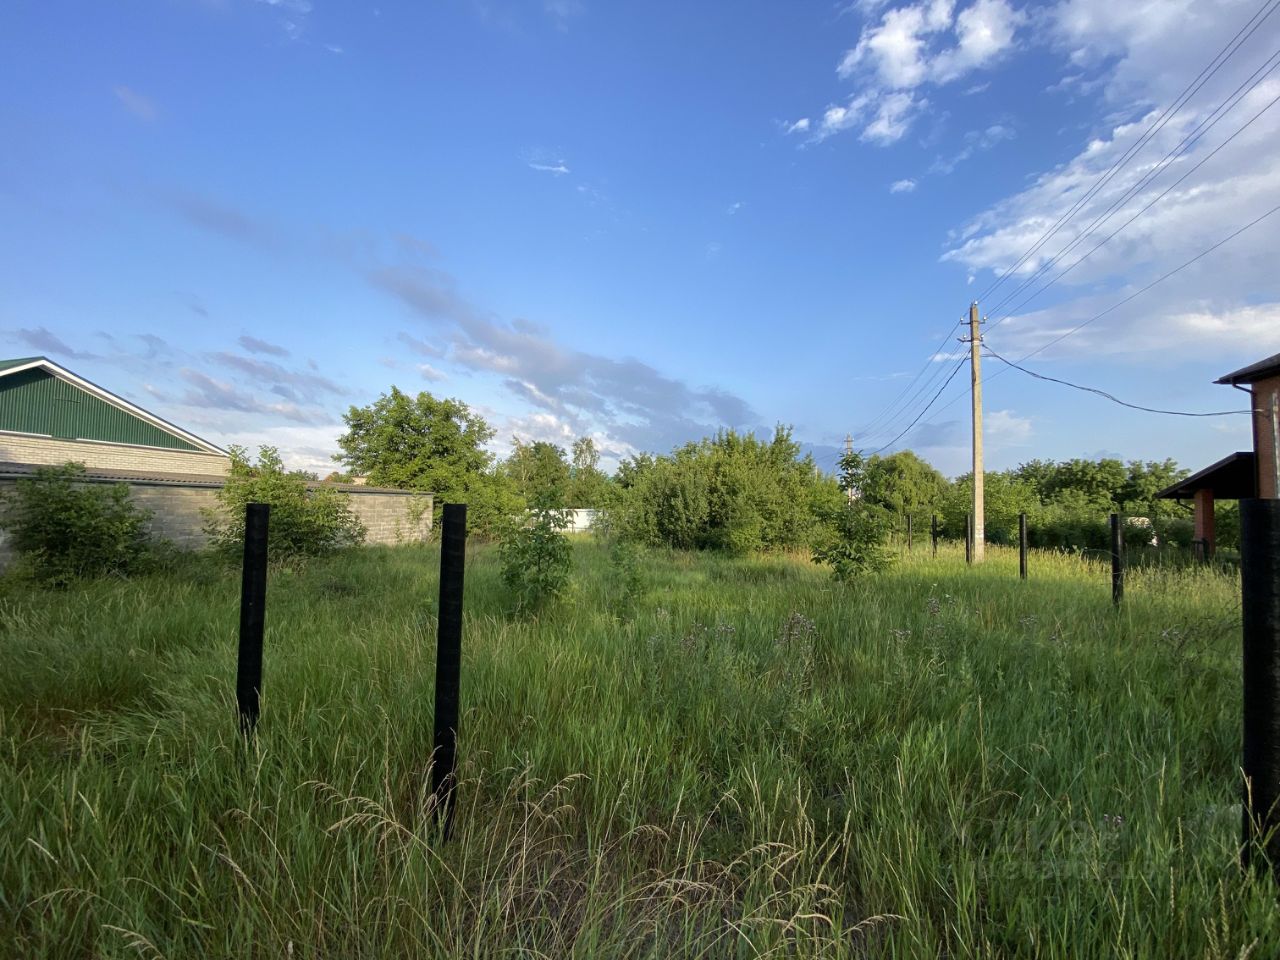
640,222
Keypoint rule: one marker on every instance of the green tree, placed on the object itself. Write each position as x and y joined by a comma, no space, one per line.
904,484
429,444
540,472
856,529
588,486
730,492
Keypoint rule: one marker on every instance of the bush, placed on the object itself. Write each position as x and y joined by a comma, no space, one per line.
64,529
537,560
304,522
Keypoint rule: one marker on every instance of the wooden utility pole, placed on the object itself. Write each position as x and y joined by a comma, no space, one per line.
975,364
848,449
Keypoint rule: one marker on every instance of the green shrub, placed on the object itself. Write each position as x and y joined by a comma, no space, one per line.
304,522
537,560
64,529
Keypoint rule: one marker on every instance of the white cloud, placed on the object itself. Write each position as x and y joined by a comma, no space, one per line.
1225,303
1004,428
893,118
906,185
926,43
141,107
556,167
800,126
734,207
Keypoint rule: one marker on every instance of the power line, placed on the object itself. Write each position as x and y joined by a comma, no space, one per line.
1115,306
1102,218
954,371
1113,399
1178,269
884,417
1214,65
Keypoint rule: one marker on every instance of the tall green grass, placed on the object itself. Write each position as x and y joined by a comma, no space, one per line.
747,760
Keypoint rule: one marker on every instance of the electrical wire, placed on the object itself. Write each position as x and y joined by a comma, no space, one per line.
954,371
1215,64
1187,142
1108,396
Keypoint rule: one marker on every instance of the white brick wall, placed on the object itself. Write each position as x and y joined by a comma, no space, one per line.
16,448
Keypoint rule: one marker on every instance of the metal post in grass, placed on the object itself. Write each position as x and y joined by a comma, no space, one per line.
1260,613
1022,545
933,534
968,540
253,614
1117,561
444,755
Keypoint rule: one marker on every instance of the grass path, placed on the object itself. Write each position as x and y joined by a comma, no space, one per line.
750,761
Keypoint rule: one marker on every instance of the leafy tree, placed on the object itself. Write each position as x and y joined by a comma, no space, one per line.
429,444
904,484
304,522
729,492
540,472
588,486
856,528
64,529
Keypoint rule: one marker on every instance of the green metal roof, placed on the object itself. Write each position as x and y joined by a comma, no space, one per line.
46,400
6,364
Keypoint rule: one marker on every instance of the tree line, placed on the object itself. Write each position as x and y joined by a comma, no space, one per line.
737,492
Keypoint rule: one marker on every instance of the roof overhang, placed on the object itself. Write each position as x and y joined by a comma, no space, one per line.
44,363
1262,370
1234,477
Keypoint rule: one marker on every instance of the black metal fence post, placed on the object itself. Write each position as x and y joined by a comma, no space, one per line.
1260,609
933,534
1022,545
253,611
444,756
968,540
1117,560
909,536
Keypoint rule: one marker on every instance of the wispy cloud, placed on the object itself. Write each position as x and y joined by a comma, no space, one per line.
47,342
562,12
735,207
906,185
557,167
141,107
214,216
626,399
254,345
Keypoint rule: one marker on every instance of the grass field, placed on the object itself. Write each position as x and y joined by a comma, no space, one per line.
752,761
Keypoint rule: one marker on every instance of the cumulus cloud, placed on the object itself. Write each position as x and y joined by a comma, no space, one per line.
906,185
930,43
1159,208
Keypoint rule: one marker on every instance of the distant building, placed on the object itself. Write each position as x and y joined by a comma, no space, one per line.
49,415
